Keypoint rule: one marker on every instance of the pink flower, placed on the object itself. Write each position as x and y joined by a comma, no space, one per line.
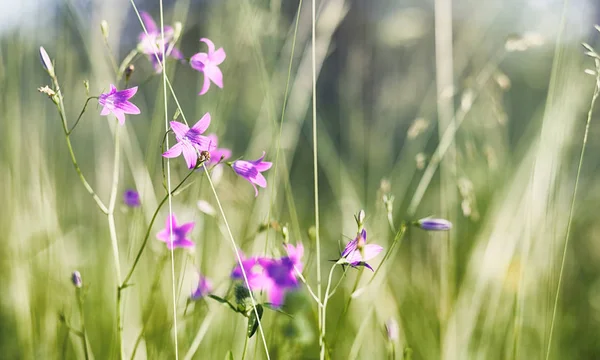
190,141
251,171
204,288
176,236
218,153
117,102
153,43
208,63
357,251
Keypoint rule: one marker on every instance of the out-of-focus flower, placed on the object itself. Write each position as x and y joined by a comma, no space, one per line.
176,236
392,330
46,62
131,198
117,102
152,44
434,224
204,288
251,171
76,279
190,142
357,252
218,154
208,63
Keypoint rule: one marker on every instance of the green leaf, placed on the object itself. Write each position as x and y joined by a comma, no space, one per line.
274,308
223,301
229,355
253,321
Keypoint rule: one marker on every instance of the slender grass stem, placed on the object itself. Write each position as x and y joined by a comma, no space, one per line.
245,347
84,339
316,173
572,207
324,310
239,259
81,113
310,290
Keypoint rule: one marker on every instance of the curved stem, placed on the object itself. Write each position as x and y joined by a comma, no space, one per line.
312,293
324,311
81,113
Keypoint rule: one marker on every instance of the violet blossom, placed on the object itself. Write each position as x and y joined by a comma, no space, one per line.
131,198
152,43
431,224
204,288
208,63
357,252
217,154
190,142
176,236
117,102
251,171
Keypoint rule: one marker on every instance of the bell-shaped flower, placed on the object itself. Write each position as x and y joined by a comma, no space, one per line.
208,64
176,236
117,102
190,141
357,252
251,171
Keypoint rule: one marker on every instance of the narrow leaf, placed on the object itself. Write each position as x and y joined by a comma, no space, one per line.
253,321
229,355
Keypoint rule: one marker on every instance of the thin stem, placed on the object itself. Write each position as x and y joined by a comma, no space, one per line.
338,284
572,208
245,347
82,321
324,310
301,277
147,235
239,259
316,175
81,114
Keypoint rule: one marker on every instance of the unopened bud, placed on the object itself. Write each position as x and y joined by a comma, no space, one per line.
360,219
104,29
46,62
76,279
86,84
128,71
434,224
286,234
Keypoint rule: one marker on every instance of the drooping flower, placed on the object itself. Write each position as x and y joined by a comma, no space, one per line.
204,288
251,171
357,252
76,279
131,198
176,236
218,154
434,224
152,44
190,141
118,103
208,63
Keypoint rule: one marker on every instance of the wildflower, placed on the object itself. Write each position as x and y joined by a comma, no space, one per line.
218,154
357,251
251,171
208,63
434,224
46,62
118,103
153,43
175,236
131,198
204,288
76,279
190,142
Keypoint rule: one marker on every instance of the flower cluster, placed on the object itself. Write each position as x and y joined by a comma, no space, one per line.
275,276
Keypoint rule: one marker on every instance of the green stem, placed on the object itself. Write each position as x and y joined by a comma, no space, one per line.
81,113
572,208
245,347
82,320
324,311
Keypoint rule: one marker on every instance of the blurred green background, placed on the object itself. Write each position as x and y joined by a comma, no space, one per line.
393,76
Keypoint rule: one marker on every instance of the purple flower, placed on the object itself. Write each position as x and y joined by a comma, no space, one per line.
218,153
190,141
76,279
434,224
153,43
208,63
251,171
357,251
117,102
131,198
204,288
175,236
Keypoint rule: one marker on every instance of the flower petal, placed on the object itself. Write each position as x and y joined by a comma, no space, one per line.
260,180
214,74
205,86
127,93
180,129
186,228
217,57
120,115
105,111
190,155
148,22
211,45
370,251
174,151
128,108
198,61
203,124
184,243
263,166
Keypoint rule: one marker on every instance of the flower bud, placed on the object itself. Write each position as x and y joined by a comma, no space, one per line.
104,29
392,330
86,84
286,234
46,62
76,279
430,224
360,218
128,71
